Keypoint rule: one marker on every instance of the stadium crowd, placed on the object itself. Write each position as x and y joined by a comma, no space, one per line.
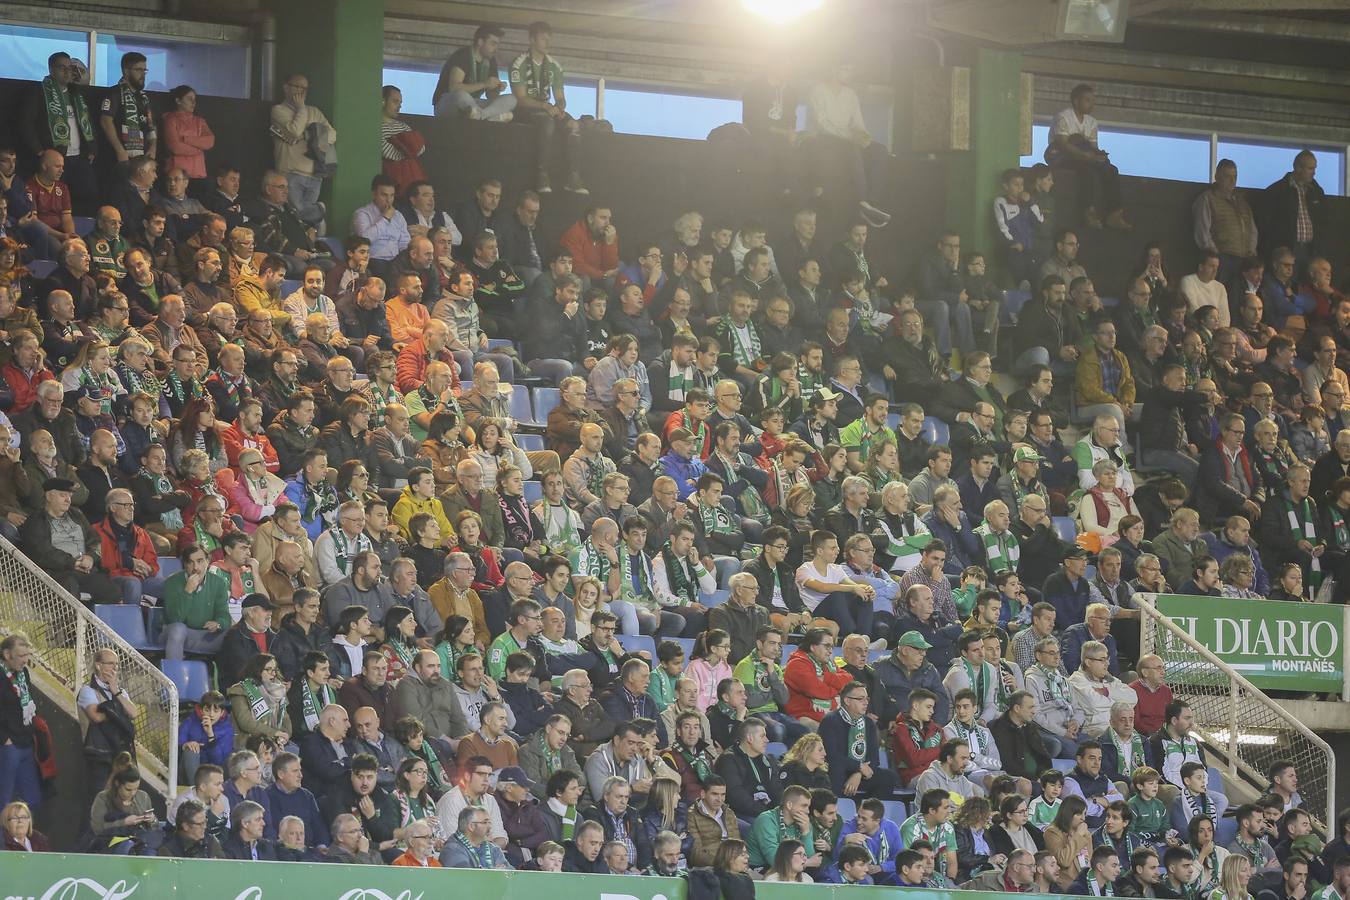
764,451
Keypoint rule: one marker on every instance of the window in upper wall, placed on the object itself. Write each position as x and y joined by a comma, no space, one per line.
1260,163
416,84
24,49
635,110
217,70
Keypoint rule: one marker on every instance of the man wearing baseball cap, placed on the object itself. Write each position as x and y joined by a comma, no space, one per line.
248,637
61,541
908,668
816,426
526,826
680,463
1023,478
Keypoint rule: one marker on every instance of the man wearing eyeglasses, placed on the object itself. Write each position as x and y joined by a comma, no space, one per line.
251,635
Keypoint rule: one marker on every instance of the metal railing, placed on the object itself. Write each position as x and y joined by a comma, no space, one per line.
65,636
1243,729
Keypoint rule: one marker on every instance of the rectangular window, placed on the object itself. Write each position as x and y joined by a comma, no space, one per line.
1180,157
24,49
581,96
217,70
416,84
1260,163
635,110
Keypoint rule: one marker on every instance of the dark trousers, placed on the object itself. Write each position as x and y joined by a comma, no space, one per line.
852,613
80,177
1098,183
545,130
863,167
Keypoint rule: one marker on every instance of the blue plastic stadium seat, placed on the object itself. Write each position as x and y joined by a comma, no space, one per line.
1109,302
896,811
534,492
83,225
334,246
687,644
1226,831
1067,530
893,420
529,442
168,565
190,676
154,625
1062,765
545,398
289,286
128,622
41,268
520,404
847,808
877,384
497,344
788,650
875,655
776,749
1013,301
936,431
634,643
717,598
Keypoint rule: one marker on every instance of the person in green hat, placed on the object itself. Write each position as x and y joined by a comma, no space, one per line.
908,668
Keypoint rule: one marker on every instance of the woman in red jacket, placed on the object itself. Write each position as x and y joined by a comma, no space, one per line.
916,739
812,680
126,553
186,135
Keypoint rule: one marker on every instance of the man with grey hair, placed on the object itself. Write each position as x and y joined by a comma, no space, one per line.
291,122
469,492
1059,720
470,847
620,819
666,856
850,515
350,843
590,726
123,542
1148,575
1095,691
246,842
1122,745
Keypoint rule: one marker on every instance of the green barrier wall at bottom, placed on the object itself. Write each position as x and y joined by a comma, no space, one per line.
61,876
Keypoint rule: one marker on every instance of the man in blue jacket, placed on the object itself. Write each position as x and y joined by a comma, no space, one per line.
871,830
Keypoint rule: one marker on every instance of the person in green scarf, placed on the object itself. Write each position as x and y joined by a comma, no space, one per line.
791,820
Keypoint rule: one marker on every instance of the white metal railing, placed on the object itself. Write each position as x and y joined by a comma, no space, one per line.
65,636
1242,728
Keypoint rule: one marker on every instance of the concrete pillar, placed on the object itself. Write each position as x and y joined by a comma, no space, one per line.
339,46
973,175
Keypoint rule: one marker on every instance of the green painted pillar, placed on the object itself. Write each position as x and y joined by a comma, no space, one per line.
339,46
973,175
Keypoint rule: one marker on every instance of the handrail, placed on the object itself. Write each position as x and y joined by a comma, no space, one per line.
1226,707
65,636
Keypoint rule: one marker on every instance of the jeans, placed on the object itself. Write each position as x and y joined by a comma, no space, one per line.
134,588
945,318
726,566
851,612
19,776
554,370
662,624
458,103
781,727
1183,464
545,128
628,617
1058,745
506,366
180,639
305,196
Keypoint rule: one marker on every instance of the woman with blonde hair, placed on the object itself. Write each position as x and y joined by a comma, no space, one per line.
16,823
806,764
1234,874
585,604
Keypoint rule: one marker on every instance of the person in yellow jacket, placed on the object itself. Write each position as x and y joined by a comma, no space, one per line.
420,497
263,291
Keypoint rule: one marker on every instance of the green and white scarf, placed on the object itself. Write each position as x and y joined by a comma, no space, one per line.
344,548
745,354
1136,754
752,504
716,520
980,681
1056,684
55,99
1000,548
175,389
22,689
857,736
684,588
1339,532
1305,532
259,706
971,734
172,518
312,702
1105,889
679,381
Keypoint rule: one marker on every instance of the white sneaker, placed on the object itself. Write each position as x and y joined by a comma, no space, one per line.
474,112
878,644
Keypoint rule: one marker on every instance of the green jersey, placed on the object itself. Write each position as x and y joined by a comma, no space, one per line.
541,80
942,837
857,436
1150,818
1043,813
498,651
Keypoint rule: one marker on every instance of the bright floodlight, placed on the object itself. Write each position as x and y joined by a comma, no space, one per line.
782,11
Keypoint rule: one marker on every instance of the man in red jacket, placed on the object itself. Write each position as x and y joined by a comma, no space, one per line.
594,245
247,434
128,554
25,371
812,680
916,740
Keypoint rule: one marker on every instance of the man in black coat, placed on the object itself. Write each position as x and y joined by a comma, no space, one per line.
1041,549
752,782
1297,196
555,327
242,641
1018,738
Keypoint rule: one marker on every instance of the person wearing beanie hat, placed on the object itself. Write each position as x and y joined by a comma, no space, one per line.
251,635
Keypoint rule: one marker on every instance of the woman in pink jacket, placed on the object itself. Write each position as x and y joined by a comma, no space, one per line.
709,665
186,135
